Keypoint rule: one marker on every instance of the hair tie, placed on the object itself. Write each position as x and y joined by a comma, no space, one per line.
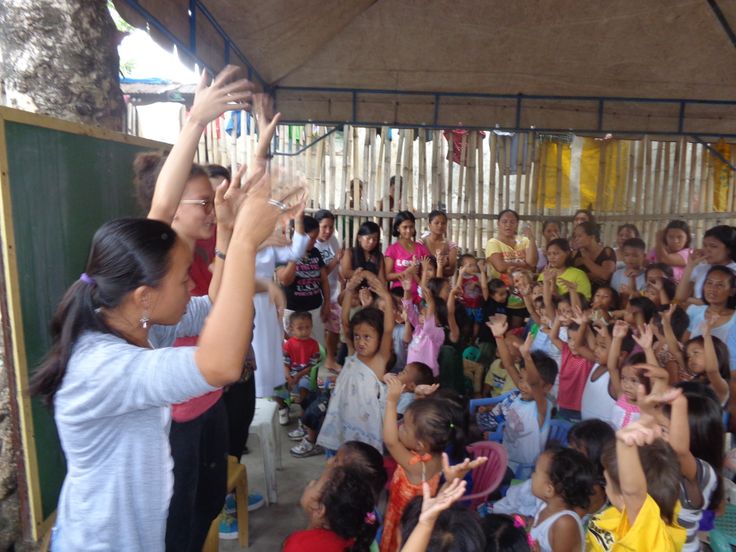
519,521
87,279
416,458
452,426
370,518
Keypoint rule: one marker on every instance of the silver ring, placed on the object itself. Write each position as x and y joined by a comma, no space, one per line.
277,203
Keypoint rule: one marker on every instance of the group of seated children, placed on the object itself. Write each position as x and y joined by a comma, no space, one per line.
635,361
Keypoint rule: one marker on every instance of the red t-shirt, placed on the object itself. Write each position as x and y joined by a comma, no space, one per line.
300,353
574,371
200,274
316,540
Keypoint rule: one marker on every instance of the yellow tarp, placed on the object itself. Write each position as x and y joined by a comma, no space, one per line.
612,179
554,178
721,176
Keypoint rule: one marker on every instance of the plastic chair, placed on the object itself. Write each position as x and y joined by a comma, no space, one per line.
558,430
486,477
497,435
723,537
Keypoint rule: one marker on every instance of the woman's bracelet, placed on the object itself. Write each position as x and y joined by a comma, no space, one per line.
219,254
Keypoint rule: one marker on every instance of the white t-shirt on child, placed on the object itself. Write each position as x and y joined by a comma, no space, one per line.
523,438
597,401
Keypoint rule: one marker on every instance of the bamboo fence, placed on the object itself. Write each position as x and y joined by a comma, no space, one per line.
364,174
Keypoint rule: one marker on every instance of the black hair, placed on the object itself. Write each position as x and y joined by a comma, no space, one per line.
502,213
426,377
680,322
564,245
726,235
400,217
438,423
366,459
358,259
592,435
217,170
465,256
591,229
440,306
731,302
546,366
667,269
645,305
436,213
310,224
370,316
125,254
678,225
636,243
722,355
323,214
661,471
300,315
591,216
495,284
546,223
571,475
348,500
503,535
146,168
707,433
615,297
456,530
628,226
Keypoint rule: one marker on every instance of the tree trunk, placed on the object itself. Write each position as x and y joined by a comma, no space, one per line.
60,58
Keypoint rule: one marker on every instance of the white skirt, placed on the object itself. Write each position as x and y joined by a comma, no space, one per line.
268,345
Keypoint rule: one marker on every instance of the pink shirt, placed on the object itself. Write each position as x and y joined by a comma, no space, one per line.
574,372
427,340
403,259
624,413
677,271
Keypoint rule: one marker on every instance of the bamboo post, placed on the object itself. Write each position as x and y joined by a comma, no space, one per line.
386,137
519,170
409,168
422,190
535,205
469,200
558,200
436,169
456,224
375,185
478,206
321,171
368,185
450,169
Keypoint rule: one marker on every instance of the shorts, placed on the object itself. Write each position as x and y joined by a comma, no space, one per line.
333,321
475,314
315,413
282,391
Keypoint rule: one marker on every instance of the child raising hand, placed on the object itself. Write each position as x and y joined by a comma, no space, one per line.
417,446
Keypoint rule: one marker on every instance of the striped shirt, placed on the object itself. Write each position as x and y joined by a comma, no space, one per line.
690,514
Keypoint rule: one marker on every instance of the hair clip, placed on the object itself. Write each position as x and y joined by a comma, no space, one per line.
452,426
519,521
370,518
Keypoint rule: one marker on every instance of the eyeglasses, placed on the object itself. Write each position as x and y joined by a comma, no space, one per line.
206,204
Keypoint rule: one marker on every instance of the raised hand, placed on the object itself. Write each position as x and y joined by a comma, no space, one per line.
365,297
225,93
570,285
498,324
447,495
620,329
259,206
525,347
579,316
394,387
459,471
645,337
357,277
639,433
424,390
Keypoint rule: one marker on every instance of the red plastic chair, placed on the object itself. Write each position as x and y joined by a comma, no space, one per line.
486,477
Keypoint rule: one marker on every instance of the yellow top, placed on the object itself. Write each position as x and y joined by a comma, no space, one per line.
576,276
610,531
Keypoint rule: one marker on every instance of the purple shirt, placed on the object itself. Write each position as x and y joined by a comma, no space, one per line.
427,340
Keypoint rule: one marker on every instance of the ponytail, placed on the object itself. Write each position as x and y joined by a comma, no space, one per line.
349,502
125,254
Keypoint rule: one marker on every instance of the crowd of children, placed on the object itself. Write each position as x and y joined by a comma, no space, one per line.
628,348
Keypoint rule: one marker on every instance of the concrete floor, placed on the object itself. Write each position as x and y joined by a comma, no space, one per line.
269,526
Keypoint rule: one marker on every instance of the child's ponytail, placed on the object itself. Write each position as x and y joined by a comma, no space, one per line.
349,503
